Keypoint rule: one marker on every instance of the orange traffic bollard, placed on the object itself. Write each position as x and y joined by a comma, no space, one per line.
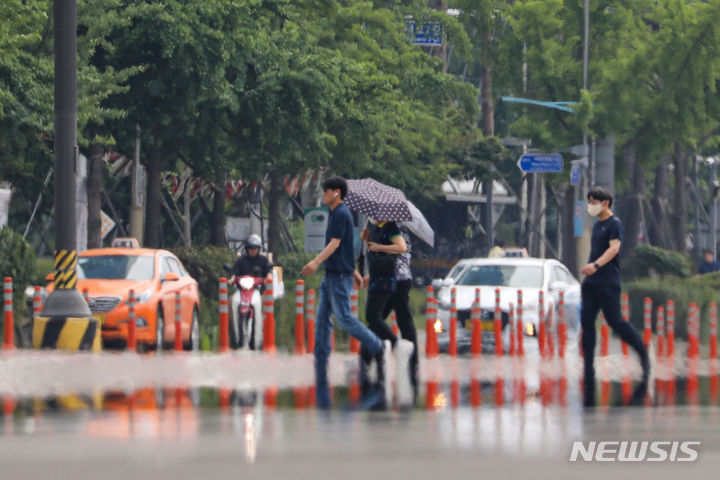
131,341
499,392
310,317
604,336
541,324
300,397
452,346
178,323
9,338
454,394
86,295
562,326
670,329
476,320
520,326
300,317
625,308
512,329
37,302
497,325
269,320
660,329
647,322
354,342
224,332
475,393
431,345
713,330
550,332
270,399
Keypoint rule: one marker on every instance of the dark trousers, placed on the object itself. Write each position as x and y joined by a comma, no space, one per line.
400,302
595,298
377,300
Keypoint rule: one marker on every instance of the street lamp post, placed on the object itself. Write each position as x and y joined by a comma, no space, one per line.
65,300
65,321
713,161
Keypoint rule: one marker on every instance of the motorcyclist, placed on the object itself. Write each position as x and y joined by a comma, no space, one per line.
253,262
259,267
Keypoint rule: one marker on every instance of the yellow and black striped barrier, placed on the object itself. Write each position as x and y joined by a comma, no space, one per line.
62,325
67,333
65,269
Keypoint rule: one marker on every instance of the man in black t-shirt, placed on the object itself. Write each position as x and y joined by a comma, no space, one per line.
601,291
336,287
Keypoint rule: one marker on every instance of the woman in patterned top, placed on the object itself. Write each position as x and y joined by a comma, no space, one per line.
400,302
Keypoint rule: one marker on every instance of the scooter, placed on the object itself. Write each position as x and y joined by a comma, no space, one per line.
246,325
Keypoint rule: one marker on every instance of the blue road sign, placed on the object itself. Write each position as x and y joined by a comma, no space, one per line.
426,33
575,175
543,162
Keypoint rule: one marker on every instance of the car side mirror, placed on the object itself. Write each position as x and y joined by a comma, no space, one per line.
448,282
437,283
558,285
50,277
171,277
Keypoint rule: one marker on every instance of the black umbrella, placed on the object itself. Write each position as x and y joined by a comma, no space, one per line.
378,201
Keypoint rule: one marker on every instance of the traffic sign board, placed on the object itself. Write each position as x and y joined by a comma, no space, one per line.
575,175
543,162
425,33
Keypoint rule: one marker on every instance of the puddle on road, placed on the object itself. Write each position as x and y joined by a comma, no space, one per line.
119,395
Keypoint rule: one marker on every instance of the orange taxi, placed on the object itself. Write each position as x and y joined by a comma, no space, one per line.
155,276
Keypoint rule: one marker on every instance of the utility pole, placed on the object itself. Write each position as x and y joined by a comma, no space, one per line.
137,193
65,304
583,241
714,192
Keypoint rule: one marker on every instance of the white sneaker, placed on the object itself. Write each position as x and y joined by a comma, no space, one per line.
403,351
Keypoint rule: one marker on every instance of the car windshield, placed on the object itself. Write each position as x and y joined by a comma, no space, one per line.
456,271
116,267
518,276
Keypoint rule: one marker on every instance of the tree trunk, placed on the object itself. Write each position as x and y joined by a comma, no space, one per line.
187,218
94,193
274,195
633,204
680,203
217,219
488,109
660,233
153,207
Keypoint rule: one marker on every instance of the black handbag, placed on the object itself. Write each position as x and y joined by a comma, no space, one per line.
381,264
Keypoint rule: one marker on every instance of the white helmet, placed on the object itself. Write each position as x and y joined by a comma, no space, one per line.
253,241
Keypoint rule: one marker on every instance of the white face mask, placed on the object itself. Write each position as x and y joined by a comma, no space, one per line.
594,209
372,220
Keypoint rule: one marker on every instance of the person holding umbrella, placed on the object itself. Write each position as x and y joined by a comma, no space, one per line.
384,243
383,205
400,302
336,286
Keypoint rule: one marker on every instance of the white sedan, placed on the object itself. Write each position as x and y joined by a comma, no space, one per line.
531,275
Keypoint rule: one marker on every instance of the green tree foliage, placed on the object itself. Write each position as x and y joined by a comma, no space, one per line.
18,262
27,88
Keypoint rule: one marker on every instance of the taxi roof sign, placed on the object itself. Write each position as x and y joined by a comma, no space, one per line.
125,242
